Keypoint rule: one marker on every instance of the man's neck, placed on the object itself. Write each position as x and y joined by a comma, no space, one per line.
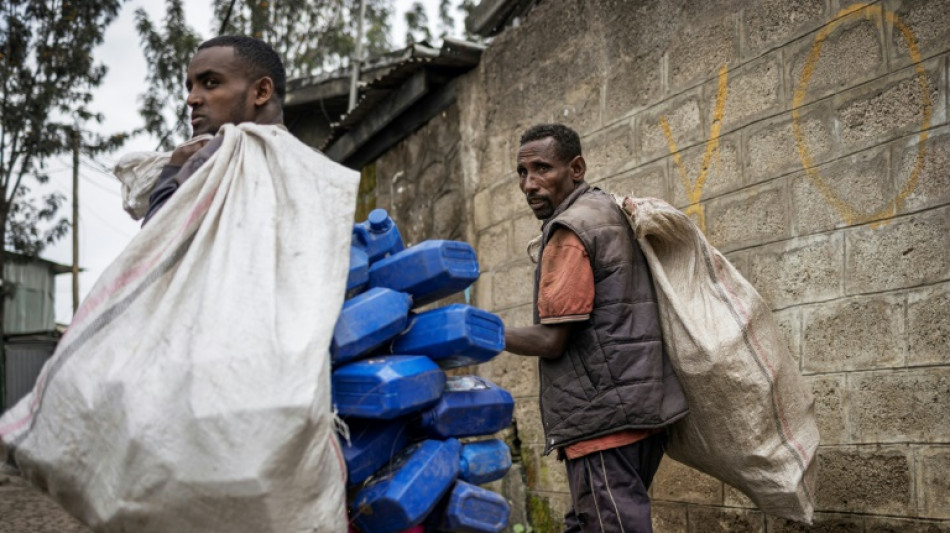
271,117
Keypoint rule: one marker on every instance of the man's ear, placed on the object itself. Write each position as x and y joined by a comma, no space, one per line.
578,168
263,91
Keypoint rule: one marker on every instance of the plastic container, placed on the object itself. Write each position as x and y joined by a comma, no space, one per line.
470,509
373,443
386,387
378,236
470,405
484,461
428,271
367,321
358,276
402,494
453,336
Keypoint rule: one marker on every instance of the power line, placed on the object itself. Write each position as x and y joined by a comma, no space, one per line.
97,166
53,170
104,221
97,185
111,178
109,163
100,187
93,166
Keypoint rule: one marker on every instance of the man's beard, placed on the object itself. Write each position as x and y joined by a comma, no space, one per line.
545,210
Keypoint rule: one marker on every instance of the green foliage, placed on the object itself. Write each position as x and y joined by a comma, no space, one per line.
46,80
167,52
417,24
542,516
312,36
447,21
465,8
23,232
47,75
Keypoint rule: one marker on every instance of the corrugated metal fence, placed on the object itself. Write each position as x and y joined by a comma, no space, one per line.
24,359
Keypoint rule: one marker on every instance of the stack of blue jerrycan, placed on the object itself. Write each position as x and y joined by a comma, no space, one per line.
411,456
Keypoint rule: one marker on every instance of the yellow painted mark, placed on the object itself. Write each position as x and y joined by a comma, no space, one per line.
695,191
846,211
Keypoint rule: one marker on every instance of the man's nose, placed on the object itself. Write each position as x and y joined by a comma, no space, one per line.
193,99
529,184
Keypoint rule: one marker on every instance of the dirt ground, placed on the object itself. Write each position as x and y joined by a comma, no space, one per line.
24,509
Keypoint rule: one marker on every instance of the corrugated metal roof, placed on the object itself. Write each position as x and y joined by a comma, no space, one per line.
453,57
316,108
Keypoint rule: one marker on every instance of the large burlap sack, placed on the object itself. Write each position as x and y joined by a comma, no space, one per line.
191,392
138,172
751,422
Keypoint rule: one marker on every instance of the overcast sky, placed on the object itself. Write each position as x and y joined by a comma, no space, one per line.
104,228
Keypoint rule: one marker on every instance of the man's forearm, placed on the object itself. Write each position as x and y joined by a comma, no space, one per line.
547,341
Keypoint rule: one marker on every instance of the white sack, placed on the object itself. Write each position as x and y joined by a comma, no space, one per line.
191,392
751,422
139,171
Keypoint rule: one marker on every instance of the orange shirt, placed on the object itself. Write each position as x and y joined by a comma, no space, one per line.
613,440
566,289
566,294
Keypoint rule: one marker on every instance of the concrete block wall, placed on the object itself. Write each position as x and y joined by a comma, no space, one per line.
417,181
809,139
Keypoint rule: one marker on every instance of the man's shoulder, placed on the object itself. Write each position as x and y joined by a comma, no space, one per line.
593,208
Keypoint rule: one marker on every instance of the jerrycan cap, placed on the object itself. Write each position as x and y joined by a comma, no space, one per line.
379,220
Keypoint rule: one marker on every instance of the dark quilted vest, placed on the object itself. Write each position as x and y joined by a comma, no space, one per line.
614,373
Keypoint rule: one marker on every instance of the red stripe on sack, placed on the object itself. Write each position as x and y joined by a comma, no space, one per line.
339,456
10,428
760,354
92,302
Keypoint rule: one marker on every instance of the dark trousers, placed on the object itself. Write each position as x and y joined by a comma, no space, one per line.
609,488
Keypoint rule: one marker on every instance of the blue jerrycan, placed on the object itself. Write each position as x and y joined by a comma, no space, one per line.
378,236
471,509
428,271
358,276
367,321
373,443
484,461
403,493
386,387
452,336
469,406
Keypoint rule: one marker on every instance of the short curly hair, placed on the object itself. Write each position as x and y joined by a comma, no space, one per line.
259,56
567,142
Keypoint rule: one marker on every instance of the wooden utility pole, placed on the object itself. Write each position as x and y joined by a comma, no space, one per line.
357,58
75,220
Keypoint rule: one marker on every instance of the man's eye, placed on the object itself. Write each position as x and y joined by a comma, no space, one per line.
211,83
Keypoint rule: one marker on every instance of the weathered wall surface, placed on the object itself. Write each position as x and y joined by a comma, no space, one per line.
809,139
419,182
